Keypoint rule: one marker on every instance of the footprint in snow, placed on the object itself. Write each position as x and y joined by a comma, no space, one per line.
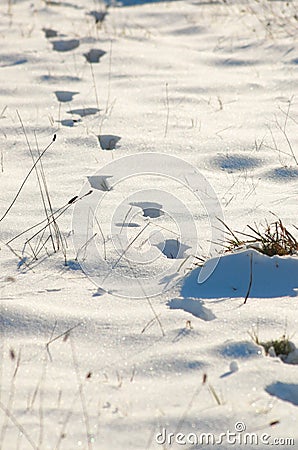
99,16
65,4
239,350
283,174
94,55
172,248
12,60
59,79
65,45
108,141
50,33
100,291
69,122
83,112
65,96
150,209
233,163
127,225
100,182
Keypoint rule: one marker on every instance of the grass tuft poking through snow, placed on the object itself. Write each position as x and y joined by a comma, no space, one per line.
273,239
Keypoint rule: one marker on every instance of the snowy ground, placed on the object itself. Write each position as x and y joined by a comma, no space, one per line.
214,84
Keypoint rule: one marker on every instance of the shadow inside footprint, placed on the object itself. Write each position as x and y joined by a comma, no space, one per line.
65,45
100,182
150,209
127,225
59,79
283,174
65,96
94,55
83,112
233,163
239,349
99,16
50,33
69,122
108,141
172,248
12,60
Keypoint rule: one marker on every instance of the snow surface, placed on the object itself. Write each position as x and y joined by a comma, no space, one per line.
215,84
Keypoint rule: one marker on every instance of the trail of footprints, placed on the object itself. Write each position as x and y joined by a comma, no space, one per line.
93,56
242,162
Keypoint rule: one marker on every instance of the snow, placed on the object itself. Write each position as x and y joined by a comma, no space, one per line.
274,276
174,114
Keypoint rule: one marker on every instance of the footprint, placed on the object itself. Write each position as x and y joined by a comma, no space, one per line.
50,33
65,96
127,225
283,174
172,248
65,45
65,4
100,182
239,349
12,60
108,141
94,55
59,79
234,62
99,16
150,209
233,163
69,122
83,112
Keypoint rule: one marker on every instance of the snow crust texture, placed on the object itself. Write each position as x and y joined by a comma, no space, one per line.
103,365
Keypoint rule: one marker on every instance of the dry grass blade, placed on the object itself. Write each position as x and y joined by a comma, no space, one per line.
275,239
55,215
230,231
250,279
64,334
26,178
18,426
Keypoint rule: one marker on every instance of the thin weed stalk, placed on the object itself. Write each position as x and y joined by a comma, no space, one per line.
94,85
109,78
57,213
19,426
26,178
38,175
55,225
168,110
82,394
62,434
12,389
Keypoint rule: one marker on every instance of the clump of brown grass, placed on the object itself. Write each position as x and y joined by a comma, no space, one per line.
273,239
281,347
